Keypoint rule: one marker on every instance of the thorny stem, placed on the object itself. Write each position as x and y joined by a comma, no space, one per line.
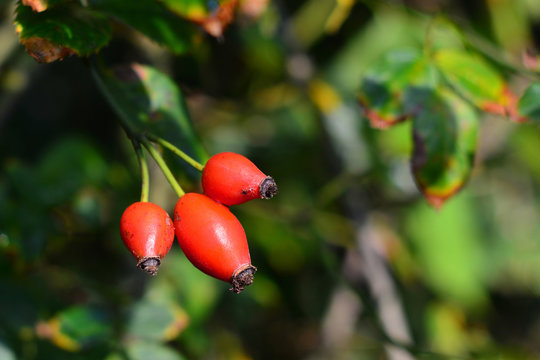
164,168
177,151
145,178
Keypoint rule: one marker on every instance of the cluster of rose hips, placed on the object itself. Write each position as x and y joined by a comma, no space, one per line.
210,235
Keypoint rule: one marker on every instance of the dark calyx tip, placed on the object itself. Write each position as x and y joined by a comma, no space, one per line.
149,264
268,188
242,277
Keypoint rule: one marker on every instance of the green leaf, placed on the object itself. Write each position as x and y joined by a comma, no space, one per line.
150,350
160,321
528,107
443,34
76,328
149,101
153,19
444,135
62,30
474,79
178,279
449,247
382,89
66,167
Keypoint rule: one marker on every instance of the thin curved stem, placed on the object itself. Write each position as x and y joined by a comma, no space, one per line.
164,168
197,165
145,177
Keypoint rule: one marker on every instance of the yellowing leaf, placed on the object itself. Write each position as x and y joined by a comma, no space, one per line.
476,80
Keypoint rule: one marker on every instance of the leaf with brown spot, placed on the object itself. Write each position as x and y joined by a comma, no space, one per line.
45,51
382,89
61,31
444,134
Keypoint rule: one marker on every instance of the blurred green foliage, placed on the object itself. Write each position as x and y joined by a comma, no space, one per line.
352,261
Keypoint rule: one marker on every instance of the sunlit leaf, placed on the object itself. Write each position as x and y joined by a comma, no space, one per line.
149,101
153,19
444,135
76,328
474,79
61,31
383,87
159,321
150,350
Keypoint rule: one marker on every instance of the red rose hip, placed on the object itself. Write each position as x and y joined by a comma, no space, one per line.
233,179
148,232
213,240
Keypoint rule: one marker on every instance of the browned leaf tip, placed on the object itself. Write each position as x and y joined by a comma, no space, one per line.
45,51
378,121
36,5
216,23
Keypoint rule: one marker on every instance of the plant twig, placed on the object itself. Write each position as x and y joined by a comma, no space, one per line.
177,151
164,168
145,177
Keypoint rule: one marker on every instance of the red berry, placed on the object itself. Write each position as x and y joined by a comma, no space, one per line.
213,240
148,232
233,179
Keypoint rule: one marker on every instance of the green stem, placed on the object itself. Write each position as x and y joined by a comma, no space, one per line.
197,165
145,177
164,168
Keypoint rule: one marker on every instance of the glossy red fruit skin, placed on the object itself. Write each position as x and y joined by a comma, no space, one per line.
212,238
233,179
148,232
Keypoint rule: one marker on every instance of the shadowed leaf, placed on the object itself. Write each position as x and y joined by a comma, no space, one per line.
528,107
153,19
61,31
149,101
444,135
